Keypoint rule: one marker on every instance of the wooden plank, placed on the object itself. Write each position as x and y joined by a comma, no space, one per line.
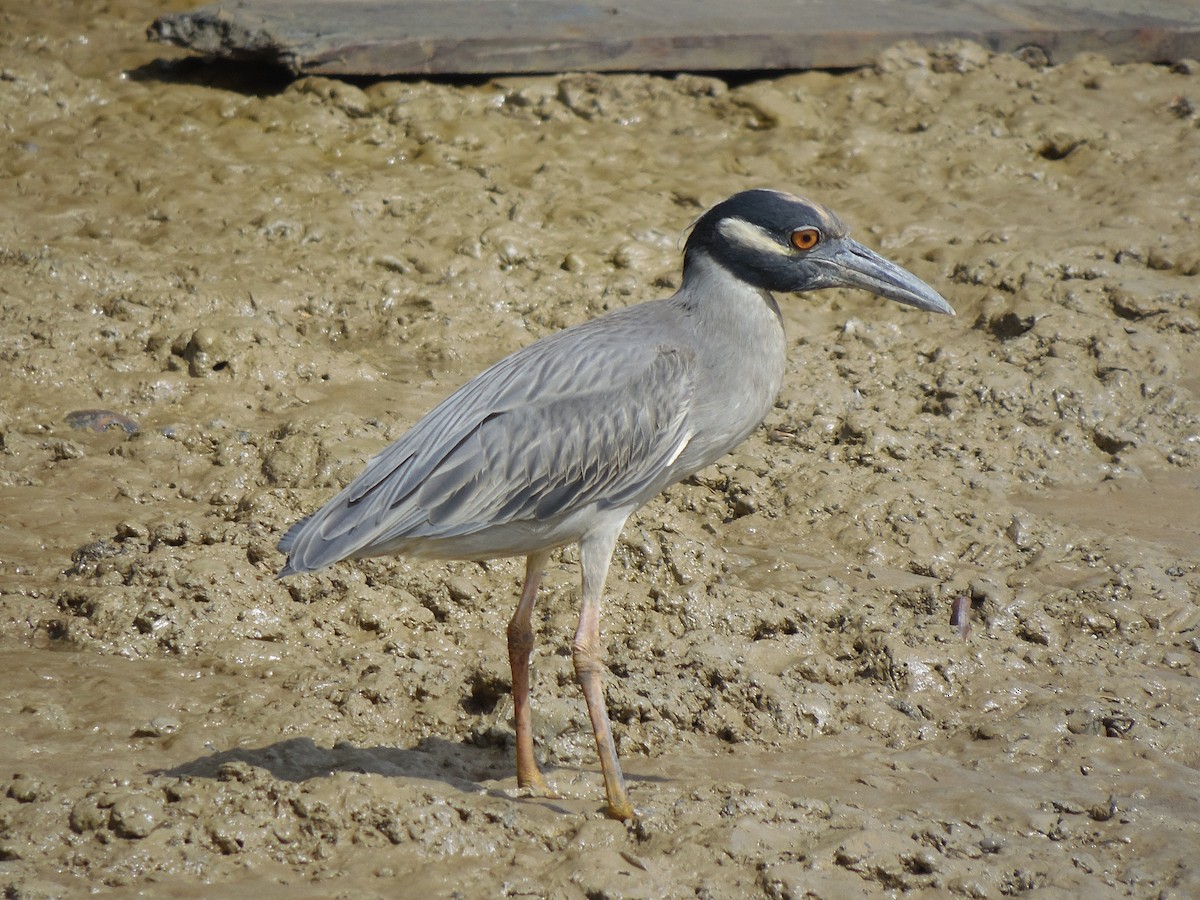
375,37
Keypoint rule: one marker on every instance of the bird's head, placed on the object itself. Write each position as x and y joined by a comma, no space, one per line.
783,243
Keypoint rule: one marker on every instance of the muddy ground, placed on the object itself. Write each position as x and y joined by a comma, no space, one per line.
272,279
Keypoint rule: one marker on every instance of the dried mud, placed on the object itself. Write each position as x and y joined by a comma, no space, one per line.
270,280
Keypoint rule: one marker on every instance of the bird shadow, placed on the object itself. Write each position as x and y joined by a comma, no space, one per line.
463,767
301,759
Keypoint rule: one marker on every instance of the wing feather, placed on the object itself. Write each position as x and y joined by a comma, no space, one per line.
592,415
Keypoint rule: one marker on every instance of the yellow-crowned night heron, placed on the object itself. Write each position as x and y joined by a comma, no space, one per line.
561,441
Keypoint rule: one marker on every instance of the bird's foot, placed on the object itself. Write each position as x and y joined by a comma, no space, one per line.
535,786
622,810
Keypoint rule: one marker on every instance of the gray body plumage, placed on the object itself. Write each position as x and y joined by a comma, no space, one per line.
559,442
588,423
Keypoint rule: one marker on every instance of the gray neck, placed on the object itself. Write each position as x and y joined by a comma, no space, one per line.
713,294
737,332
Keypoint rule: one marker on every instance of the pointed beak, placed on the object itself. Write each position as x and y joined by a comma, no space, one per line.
850,264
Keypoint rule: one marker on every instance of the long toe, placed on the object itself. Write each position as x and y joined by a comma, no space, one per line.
535,785
622,811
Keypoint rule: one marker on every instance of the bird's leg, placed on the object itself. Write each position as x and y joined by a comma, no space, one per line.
595,551
520,646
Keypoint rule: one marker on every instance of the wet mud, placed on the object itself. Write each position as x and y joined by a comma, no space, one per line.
221,292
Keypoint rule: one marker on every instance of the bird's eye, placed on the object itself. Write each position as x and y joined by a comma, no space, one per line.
805,238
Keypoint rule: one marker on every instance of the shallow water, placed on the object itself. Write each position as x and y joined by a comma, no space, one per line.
273,280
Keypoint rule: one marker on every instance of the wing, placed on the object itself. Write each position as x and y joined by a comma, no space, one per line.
592,415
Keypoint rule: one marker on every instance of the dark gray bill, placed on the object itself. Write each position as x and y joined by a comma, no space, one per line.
853,265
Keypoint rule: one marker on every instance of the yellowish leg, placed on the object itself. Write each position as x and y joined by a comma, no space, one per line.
595,551
520,646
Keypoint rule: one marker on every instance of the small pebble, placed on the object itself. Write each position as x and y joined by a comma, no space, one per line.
159,726
991,844
101,420
960,615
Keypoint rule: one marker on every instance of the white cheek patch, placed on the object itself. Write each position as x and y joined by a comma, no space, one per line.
750,236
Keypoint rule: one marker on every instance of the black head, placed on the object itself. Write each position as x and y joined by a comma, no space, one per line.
780,242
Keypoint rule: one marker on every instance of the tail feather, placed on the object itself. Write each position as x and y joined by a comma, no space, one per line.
285,546
289,537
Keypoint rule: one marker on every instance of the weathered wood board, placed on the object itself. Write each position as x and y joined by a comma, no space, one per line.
376,37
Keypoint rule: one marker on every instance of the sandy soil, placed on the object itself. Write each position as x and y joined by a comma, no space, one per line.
273,279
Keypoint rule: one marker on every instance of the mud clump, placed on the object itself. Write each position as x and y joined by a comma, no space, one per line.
273,284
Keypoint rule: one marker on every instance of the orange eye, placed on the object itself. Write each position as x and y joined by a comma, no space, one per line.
805,238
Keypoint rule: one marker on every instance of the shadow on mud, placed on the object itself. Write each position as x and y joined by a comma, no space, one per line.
299,759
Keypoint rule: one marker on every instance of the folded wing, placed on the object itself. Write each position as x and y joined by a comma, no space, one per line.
586,416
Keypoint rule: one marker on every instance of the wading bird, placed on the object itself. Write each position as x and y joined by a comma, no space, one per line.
560,442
